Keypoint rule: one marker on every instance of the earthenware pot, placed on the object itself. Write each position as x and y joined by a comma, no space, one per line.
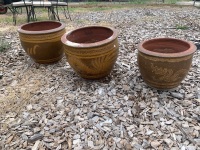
165,62
91,51
41,40
3,10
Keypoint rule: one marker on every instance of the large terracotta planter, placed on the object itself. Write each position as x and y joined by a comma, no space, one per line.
41,40
91,51
165,62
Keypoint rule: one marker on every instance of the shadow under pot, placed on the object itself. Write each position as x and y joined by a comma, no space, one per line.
91,51
41,40
165,62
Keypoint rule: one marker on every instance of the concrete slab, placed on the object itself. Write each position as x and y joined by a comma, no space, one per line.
188,3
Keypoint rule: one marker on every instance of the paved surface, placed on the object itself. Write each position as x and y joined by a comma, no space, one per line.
188,3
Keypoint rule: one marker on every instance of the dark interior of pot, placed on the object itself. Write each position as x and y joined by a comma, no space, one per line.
166,45
89,34
41,26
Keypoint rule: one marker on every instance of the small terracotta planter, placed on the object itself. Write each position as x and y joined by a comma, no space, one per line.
41,40
164,62
91,51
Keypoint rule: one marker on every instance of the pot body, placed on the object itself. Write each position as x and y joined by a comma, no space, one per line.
165,70
92,61
43,46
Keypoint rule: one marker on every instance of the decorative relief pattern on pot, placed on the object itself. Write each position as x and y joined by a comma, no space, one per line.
168,75
101,62
32,50
165,59
50,37
77,64
93,65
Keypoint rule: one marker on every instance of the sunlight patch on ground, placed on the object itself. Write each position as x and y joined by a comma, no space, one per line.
4,29
8,28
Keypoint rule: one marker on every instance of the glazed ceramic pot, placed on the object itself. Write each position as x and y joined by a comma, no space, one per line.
91,51
165,62
41,40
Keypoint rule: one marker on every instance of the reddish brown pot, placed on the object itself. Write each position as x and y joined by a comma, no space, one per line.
91,51
164,62
41,40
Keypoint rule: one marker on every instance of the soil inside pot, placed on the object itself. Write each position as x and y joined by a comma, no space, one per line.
166,46
90,35
41,26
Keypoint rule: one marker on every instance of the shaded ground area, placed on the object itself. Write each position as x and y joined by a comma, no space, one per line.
51,107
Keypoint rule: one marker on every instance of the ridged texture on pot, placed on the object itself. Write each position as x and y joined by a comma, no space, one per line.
163,73
43,47
93,62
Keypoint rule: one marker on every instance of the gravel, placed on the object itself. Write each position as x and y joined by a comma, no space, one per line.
51,107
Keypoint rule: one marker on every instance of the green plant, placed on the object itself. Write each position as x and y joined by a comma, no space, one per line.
4,45
182,27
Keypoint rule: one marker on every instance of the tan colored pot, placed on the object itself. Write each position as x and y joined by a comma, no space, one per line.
165,62
41,40
91,51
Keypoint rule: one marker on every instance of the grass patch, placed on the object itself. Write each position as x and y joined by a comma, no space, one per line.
92,2
92,7
4,45
100,8
6,19
139,1
173,1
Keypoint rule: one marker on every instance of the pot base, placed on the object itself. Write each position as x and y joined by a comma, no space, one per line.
49,61
160,86
94,77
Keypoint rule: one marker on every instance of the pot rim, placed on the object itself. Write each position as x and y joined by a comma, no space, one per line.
20,30
87,45
189,51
